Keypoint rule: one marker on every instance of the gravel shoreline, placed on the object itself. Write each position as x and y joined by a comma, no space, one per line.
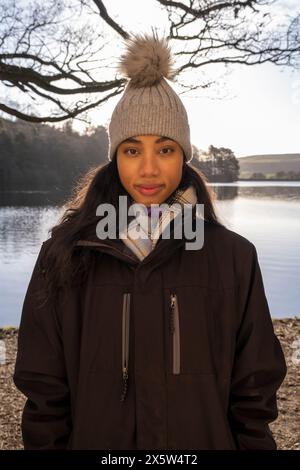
286,429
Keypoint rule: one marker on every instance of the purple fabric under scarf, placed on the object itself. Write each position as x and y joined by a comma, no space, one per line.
153,210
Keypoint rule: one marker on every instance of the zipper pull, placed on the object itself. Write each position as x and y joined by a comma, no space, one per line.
125,383
172,307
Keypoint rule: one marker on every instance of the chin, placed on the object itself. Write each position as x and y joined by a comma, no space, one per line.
147,201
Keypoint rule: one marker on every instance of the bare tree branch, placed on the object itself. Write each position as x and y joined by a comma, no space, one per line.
69,114
231,32
55,52
15,74
205,11
105,16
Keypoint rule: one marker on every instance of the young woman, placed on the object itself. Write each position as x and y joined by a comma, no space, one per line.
137,342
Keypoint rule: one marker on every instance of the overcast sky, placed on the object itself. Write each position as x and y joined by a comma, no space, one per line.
260,109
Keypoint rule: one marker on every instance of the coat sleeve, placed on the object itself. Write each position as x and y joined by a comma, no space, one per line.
40,370
259,365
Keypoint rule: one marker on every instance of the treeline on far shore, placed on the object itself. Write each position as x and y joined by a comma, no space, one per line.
278,176
42,157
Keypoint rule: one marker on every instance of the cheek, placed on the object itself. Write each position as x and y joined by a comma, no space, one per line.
124,171
174,174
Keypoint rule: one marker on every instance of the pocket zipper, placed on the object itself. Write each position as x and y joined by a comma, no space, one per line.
175,330
125,342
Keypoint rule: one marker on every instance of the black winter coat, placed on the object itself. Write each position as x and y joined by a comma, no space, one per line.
175,352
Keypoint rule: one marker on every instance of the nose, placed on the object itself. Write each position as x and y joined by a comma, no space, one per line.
148,167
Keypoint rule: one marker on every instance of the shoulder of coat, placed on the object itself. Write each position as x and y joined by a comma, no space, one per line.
226,238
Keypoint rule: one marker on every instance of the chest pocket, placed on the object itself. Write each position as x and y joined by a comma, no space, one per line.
196,343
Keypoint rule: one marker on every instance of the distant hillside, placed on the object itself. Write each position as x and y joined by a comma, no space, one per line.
269,164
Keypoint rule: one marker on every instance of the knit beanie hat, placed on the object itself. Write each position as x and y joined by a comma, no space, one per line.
149,105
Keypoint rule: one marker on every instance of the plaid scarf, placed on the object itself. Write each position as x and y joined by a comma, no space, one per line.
148,238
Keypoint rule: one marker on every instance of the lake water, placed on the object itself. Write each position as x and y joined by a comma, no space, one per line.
267,213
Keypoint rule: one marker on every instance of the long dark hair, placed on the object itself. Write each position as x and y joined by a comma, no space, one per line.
62,265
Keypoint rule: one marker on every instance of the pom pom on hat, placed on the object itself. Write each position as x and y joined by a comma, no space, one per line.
146,61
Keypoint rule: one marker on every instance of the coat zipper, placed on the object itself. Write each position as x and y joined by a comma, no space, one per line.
125,342
175,330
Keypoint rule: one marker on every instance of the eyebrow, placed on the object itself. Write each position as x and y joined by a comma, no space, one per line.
131,140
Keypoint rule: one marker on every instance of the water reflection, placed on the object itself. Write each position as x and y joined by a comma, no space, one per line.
33,198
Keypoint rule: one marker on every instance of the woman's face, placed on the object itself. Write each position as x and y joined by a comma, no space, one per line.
150,167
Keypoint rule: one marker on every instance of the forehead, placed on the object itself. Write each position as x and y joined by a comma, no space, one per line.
140,139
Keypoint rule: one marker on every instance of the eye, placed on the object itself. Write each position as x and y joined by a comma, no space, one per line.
129,149
168,148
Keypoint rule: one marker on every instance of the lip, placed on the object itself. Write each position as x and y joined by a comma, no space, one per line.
149,190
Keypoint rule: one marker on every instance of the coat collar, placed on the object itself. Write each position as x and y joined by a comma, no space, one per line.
164,249
116,247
